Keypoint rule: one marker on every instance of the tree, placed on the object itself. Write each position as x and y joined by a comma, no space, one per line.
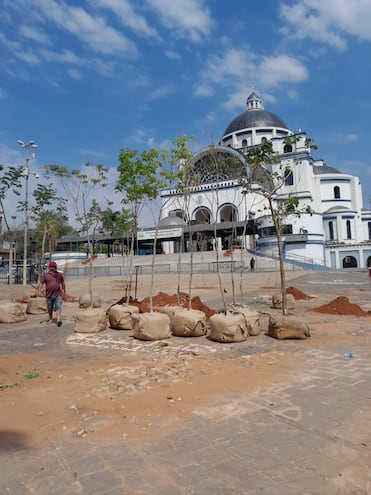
116,223
138,182
10,182
80,186
267,177
49,213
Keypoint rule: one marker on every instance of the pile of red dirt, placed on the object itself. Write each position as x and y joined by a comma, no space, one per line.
298,294
342,306
163,299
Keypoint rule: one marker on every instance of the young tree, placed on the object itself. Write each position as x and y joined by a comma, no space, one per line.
116,223
49,214
138,182
10,183
267,180
80,187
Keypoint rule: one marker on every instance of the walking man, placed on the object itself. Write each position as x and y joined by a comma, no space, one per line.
252,264
55,291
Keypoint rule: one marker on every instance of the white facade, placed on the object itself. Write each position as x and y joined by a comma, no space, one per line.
338,232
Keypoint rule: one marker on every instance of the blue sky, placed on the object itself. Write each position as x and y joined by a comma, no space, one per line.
85,79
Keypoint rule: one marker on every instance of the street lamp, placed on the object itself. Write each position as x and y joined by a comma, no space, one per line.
26,173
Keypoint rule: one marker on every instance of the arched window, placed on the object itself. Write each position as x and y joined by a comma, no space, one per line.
337,192
349,230
228,213
287,148
331,230
202,216
263,140
369,230
349,262
244,143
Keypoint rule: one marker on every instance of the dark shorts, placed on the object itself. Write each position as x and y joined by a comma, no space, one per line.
55,303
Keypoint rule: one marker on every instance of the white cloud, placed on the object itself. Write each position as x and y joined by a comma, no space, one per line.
172,55
352,137
125,12
188,18
91,30
328,21
274,70
3,93
34,34
162,91
236,67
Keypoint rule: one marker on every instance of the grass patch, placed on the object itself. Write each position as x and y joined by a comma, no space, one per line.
31,374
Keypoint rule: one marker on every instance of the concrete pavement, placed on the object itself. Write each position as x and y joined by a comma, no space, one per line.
311,436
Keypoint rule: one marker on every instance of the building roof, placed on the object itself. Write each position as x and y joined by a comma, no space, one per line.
324,169
254,116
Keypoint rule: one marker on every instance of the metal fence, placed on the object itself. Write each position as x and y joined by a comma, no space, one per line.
17,273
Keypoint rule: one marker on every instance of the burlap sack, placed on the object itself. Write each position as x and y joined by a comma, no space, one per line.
228,328
252,321
90,320
287,327
120,316
151,326
11,312
37,306
168,310
188,323
84,301
277,301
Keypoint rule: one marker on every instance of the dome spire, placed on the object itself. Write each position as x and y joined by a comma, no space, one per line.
253,102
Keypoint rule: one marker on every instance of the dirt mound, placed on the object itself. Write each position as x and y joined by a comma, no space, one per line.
163,299
298,294
342,306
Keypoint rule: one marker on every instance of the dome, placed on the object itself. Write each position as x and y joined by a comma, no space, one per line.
254,116
173,220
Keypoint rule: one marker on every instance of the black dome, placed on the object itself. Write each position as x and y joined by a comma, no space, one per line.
254,118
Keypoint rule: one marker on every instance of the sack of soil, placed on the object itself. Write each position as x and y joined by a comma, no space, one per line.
277,301
188,323
90,320
151,326
37,306
283,327
120,316
11,312
227,328
84,301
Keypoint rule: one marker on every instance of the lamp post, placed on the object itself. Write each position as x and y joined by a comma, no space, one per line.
26,173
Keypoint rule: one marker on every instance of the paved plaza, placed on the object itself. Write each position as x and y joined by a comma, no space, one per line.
307,435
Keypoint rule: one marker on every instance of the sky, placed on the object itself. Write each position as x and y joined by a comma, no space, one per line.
85,79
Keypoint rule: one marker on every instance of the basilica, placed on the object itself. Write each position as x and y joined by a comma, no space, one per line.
333,230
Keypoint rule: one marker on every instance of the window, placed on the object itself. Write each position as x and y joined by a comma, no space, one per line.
244,142
369,230
287,148
337,192
349,230
289,178
331,230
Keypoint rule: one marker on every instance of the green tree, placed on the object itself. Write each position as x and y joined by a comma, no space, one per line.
116,223
270,179
10,183
80,187
49,214
139,183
